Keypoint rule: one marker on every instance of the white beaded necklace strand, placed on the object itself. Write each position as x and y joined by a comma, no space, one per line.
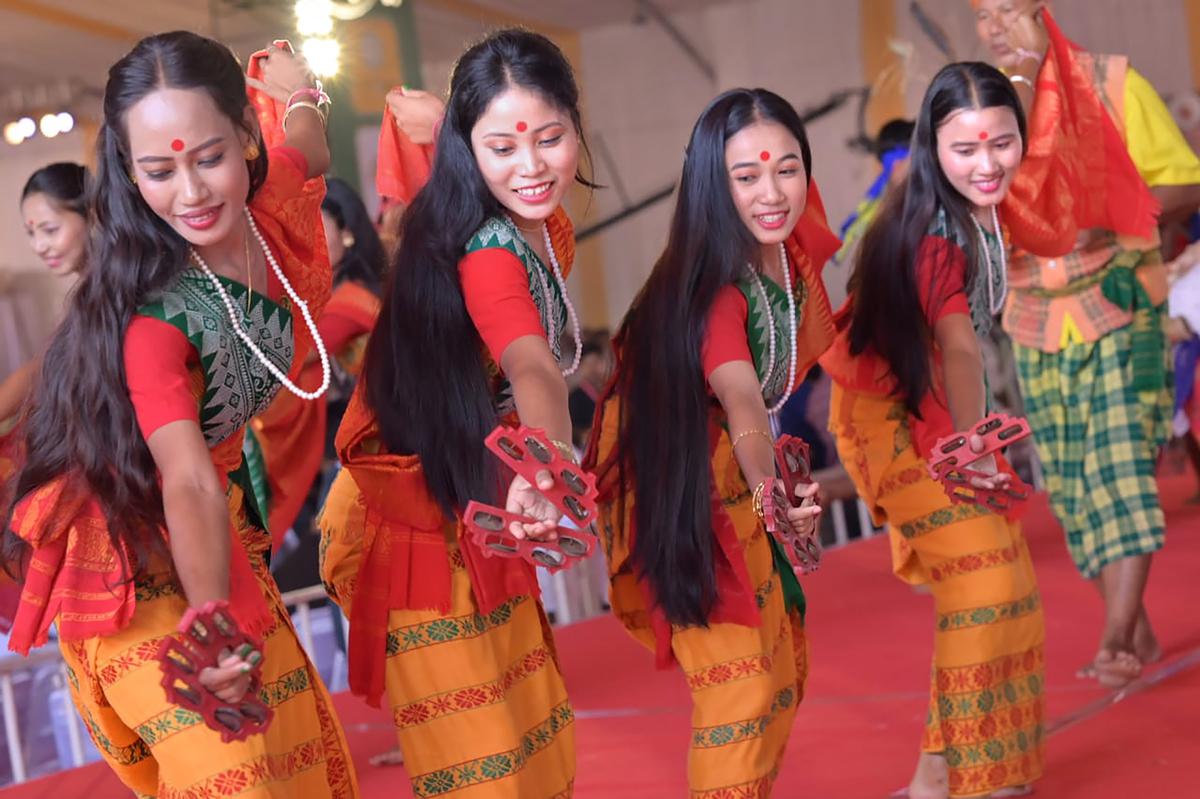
553,335
762,290
239,326
993,306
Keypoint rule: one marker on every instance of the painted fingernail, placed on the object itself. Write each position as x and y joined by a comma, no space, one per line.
254,658
243,650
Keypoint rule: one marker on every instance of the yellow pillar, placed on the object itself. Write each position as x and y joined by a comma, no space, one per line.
877,27
1192,9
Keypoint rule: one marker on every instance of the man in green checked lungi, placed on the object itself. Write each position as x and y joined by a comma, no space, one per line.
1088,327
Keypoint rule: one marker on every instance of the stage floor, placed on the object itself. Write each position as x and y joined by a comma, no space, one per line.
857,732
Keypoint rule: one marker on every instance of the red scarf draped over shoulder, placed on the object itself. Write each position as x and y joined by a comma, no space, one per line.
1077,173
405,563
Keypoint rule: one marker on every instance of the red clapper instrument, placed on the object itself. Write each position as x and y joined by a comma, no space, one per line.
952,455
528,451
795,469
205,634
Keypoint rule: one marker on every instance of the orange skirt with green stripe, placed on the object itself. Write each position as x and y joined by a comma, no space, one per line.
477,699
746,681
986,707
162,750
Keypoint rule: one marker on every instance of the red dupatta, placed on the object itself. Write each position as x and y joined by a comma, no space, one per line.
1077,173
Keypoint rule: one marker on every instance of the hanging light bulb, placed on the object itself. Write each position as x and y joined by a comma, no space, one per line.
27,127
314,17
49,126
323,56
12,134
66,122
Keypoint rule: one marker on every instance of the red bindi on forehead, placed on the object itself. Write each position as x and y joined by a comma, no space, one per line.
522,127
983,135
177,145
764,156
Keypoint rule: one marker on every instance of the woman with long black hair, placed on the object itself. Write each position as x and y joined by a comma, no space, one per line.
469,336
908,370
732,316
132,510
54,211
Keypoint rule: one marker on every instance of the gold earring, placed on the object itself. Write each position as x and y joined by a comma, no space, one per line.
348,240
252,151
133,178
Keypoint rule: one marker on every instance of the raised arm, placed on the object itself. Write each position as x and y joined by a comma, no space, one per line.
284,74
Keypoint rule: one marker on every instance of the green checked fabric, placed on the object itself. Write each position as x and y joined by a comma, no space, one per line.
1098,438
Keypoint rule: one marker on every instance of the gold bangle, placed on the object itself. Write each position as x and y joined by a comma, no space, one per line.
753,432
756,501
566,450
301,104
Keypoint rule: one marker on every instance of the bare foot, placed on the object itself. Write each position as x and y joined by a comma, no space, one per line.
1145,644
1145,647
392,757
1116,669
931,779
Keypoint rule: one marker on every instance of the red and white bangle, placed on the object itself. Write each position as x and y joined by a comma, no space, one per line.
313,94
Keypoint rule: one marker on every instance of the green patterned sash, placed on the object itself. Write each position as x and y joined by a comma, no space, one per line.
977,293
237,386
500,232
764,314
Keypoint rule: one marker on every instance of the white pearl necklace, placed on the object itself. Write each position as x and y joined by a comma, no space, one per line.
762,290
554,333
240,324
993,306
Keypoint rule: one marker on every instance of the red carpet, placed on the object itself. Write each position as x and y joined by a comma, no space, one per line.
857,732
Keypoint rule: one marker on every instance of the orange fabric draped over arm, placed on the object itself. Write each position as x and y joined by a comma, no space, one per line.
1077,173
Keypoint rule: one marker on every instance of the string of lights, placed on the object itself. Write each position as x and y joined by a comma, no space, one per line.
51,124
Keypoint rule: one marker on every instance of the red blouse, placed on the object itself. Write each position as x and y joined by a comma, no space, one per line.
495,287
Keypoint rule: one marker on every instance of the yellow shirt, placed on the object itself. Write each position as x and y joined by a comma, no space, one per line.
1156,145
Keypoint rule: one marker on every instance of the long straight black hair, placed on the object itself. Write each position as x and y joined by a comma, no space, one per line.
665,405
81,423
887,314
363,261
425,377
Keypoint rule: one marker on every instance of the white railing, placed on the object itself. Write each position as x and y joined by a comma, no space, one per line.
574,594
15,670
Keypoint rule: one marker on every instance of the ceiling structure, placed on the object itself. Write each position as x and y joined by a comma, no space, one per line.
52,43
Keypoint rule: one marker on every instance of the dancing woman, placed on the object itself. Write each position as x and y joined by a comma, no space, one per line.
469,336
133,507
907,370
